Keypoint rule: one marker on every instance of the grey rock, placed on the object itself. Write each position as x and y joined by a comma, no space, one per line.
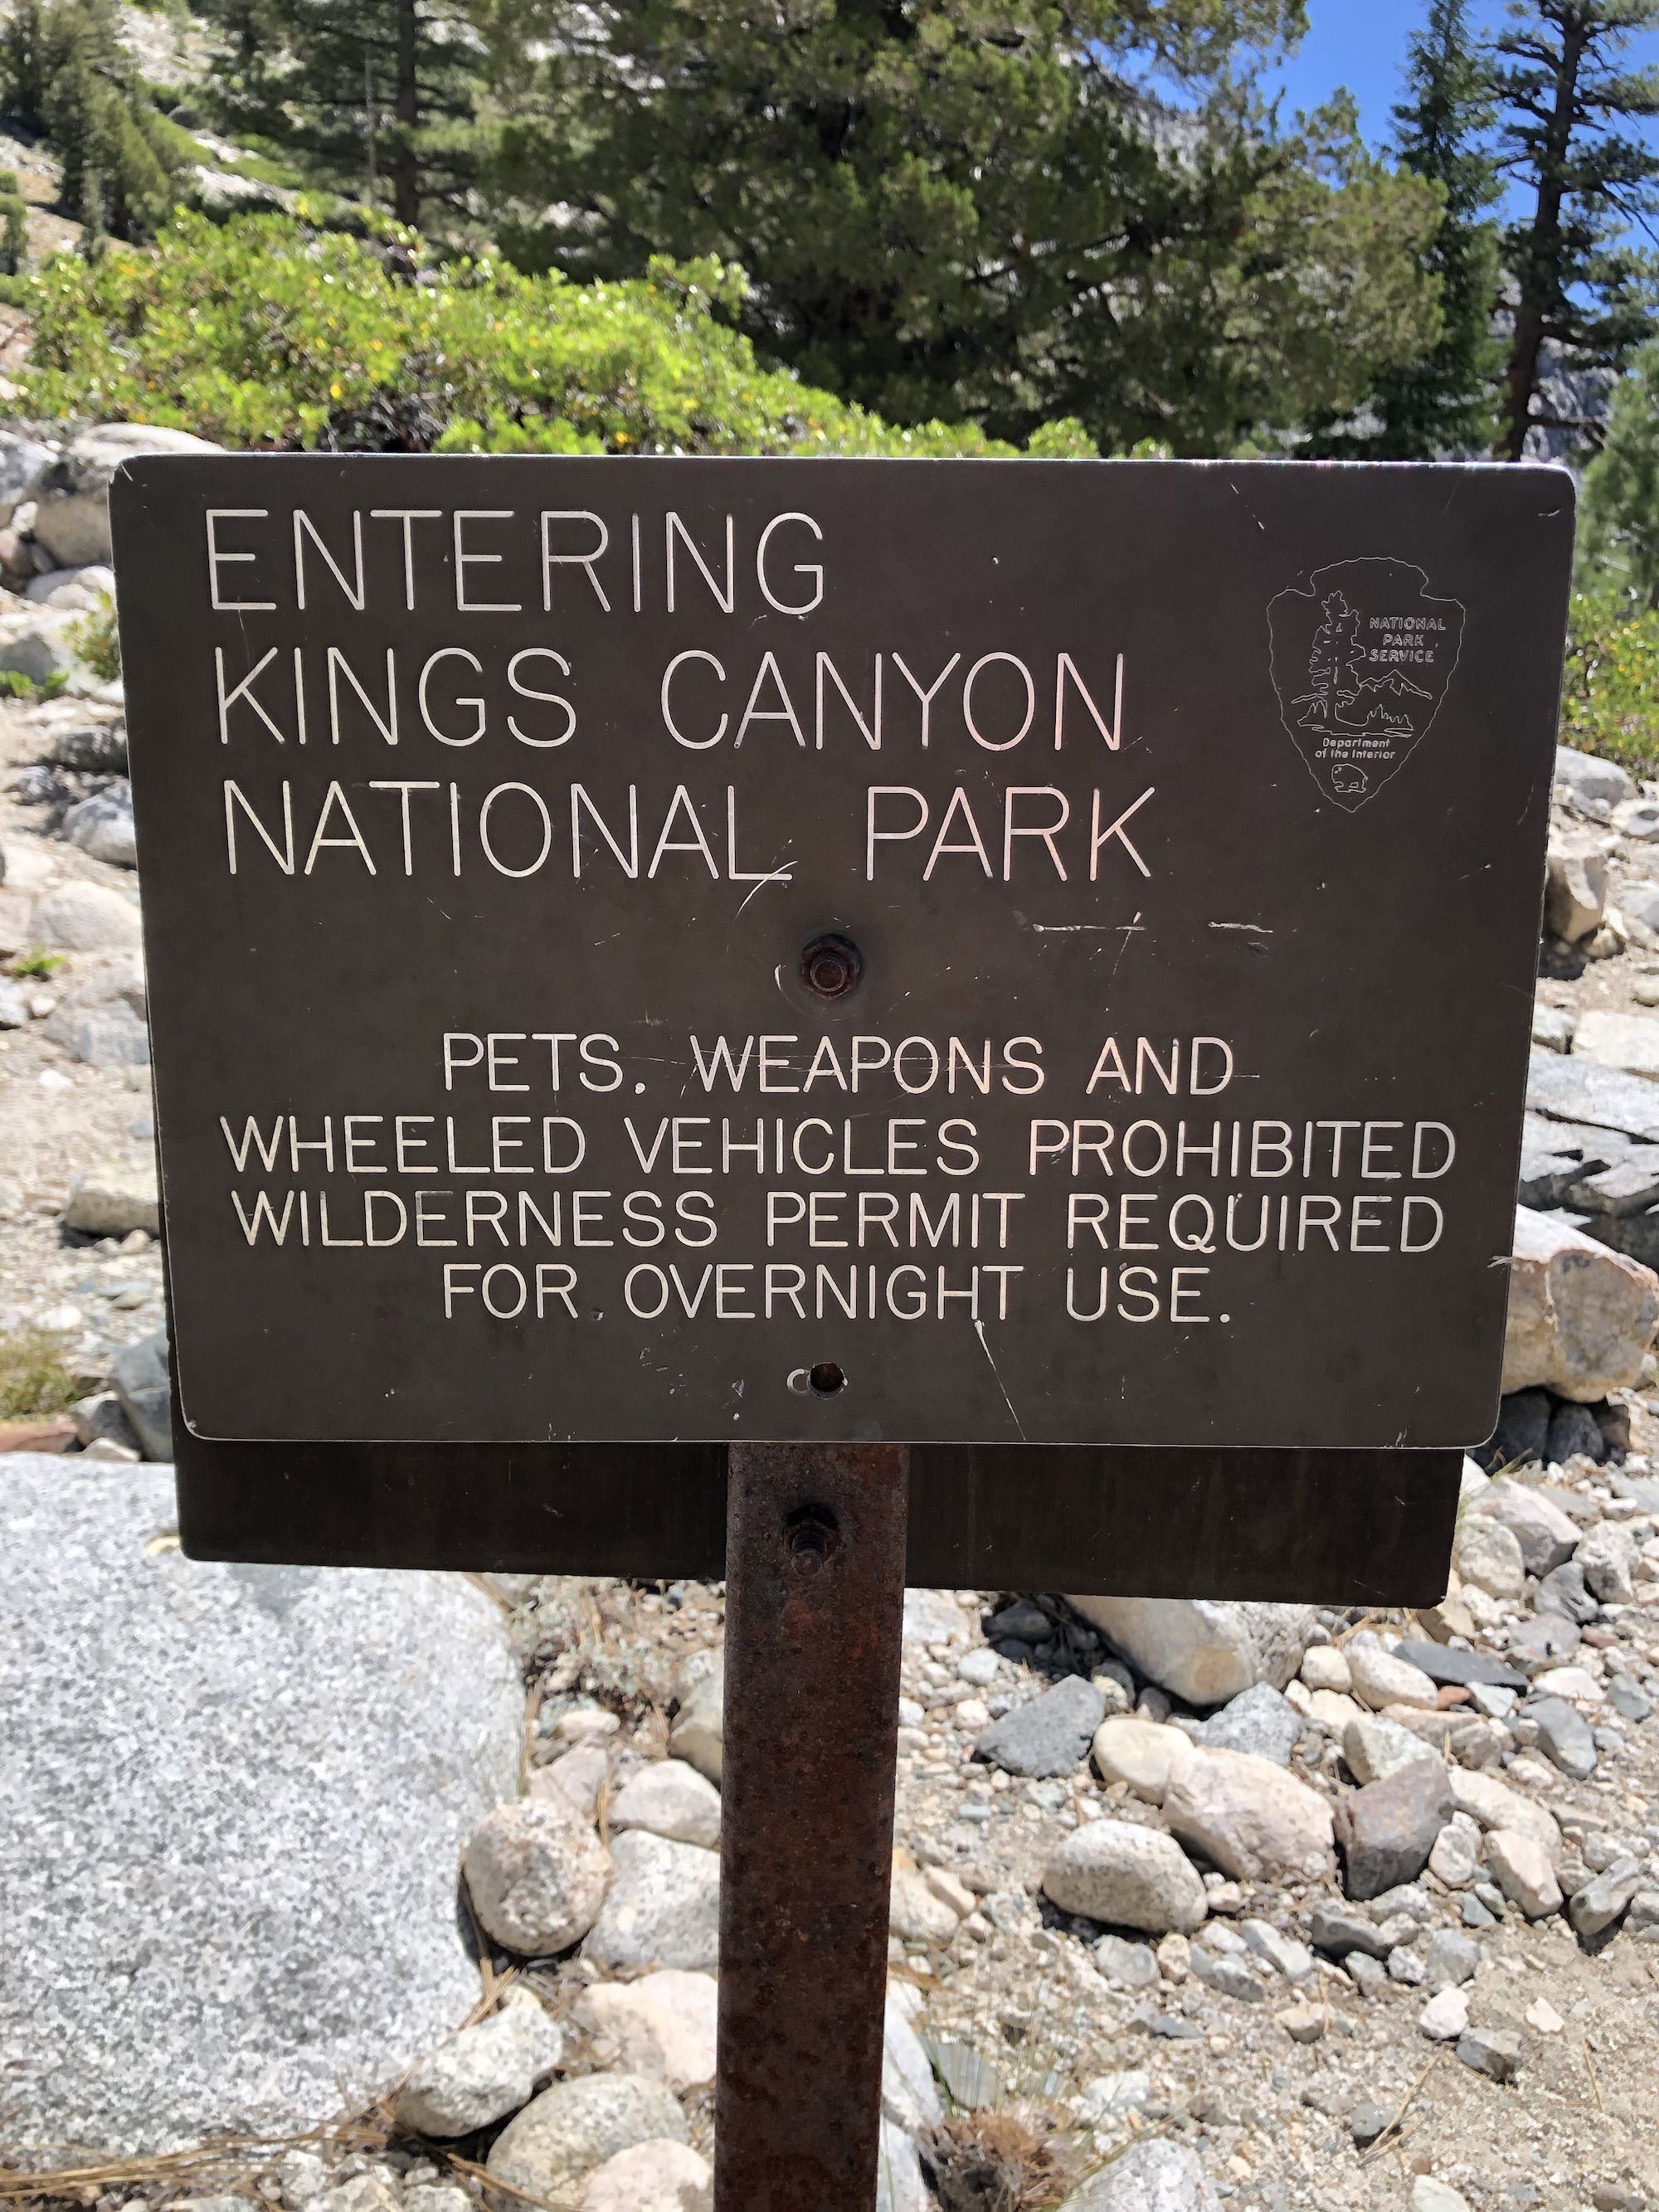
71,518
1642,1915
1600,1902
1642,1491
933,1617
1451,1958
1203,1651
663,1906
1442,1663
899,2184
1564,1736
1573,1432
971,2082
1171,2027
99,749
1523,1417
85,918
698,1734
1158,2176
1567,1088
1629,1701
99,1419
39,648
1229,1976
139,1373
101,1032
1477,1915
1366,2121
1338,1932
230,1875
557,2141
1375,1748
14,1007
669,1798
102,826
1609,1558
24,465
1626,1187
1563,1591
1260,1720
1603,783
488,2070
1405,1967
1386,1830
113,1198
909,2094
537,1874
1127,1876
1546,1537
1050,1735
1494,2052
1283,1953
1368,1976
1132,1966
1023,1622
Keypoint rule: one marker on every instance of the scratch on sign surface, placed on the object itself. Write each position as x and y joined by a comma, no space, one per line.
1256,928
979,1331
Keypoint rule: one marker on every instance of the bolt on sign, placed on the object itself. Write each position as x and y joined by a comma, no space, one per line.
964,953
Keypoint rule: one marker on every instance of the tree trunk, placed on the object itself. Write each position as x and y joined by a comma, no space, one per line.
406,194
1541,268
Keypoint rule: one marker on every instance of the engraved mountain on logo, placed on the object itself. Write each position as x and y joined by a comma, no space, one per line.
1361,661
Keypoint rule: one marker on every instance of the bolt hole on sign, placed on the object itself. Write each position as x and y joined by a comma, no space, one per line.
927,951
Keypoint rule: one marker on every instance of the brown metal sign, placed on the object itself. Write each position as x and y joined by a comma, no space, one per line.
956,952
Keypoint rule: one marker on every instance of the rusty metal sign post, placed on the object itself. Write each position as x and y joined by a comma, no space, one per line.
959,1018
814,1606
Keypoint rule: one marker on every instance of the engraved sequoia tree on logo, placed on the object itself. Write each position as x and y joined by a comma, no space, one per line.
1361,663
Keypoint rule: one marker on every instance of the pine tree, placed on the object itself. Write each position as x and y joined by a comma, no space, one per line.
1444,404
1563,98
374,99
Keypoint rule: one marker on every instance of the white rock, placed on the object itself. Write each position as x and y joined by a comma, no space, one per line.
663,1906
1152,2176
1333,1710
899,2184
536,1873
579,1777
1202,1650
662,2027
1588,780
698,1732
1324,1668
85,918
670,1798
1487,1557
1576,1683
1495,1804
1455,1858
1581,1318
1248,1816
24,465
909,2094
1546,1536
113,1198
1575,885
1375,1748
1521,1866
487,2071
1609,1556
1137,1752
1284,1953
652,2176
553,2147
1446,2016
1380,1679
71,518
1129,1877
914,1912
1429,2195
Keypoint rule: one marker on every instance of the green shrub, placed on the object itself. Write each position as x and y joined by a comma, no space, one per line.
34,1378
96,641
265,330
1610,691
16,685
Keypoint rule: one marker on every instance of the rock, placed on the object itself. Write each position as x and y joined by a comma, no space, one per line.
76,590
102,826
1600,1902
1335,1930
1607,1558
697,1733
1523,1422
1130,1877
669,1799
1139,1753
113,1198
1495,1804
1131,1965
914,1912
100,1028
99,1421
1443,1663
1367,2120
1487,1557
1429,2195
1642,1916
1577,1684
652,2176
1247,1816
71,518
1576,886
909,2094
1303,2023
95,748
1521,1867
85,918
1451,1958
1581,1318
579,1777
1546,1537
1494,2052
933,1617
1386,1830
230,1877
1405,1967
536,1875
1154,2176
1445,2018
14,1007
1333,1710
660,2027
1049,1736
488,2071
1455,1858
1259,1720
1630,1042
1205,1651
556,2142
1564,1736
1283,1953
1380,1679
1324,1668
899,2184
24,464
1228,1976
1568,1089
1024,1621
39,646
139,1372
663,1906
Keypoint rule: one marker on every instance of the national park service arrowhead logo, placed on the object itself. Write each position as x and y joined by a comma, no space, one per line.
1361,661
